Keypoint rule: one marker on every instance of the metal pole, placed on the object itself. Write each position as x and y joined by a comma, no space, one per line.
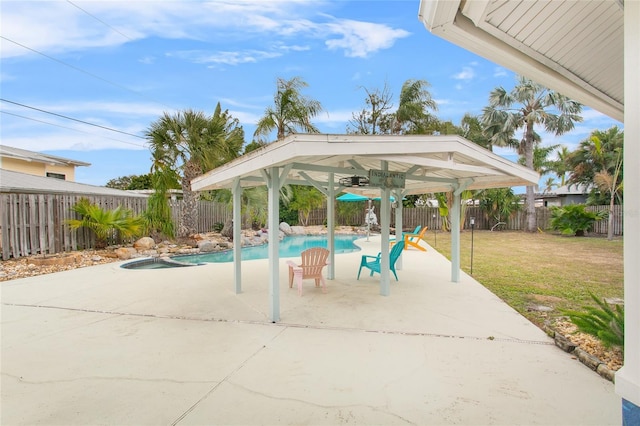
473,222
435,234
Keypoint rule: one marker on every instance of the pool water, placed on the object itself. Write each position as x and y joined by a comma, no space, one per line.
289,247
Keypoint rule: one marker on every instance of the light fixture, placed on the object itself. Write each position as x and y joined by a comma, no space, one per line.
354,181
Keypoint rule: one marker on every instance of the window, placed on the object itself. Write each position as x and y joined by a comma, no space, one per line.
56,175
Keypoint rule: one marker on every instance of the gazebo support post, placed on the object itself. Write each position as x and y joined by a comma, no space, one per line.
331,213
273,183
455,237
237,235
398,195
385,213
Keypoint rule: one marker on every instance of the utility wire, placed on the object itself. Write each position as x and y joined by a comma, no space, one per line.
70,128
83,71
100,20
71,118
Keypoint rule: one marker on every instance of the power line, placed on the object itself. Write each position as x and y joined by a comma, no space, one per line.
70,128
83,71
100,20
71,118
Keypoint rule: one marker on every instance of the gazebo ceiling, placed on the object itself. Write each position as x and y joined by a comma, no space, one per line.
574,47
431,163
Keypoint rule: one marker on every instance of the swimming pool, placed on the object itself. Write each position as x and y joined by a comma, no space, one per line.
289,247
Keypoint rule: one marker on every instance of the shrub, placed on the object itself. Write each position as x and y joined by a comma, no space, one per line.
105,223
604,323
574,219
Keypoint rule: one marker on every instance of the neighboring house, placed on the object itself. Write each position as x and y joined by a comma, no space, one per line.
38,164
22,183
564,195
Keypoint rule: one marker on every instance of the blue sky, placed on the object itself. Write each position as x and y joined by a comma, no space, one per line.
121,64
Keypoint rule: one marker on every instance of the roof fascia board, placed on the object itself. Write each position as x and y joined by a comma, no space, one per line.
461,31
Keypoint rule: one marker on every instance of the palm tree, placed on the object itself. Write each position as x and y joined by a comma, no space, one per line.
105,223
549,185
191,143
412,116
291,112
560,167
598,162
527,105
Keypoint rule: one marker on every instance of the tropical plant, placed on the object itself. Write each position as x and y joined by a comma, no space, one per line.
190,143
292,112
305,199
574,219
526,106
597,163
603,322
349,212
471,129
499,204
106,224
445,205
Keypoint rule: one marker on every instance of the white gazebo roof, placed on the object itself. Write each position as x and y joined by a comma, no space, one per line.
431,163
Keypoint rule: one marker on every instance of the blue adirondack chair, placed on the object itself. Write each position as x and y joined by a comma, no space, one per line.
373,262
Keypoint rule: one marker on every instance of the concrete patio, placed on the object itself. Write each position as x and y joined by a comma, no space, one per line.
106,345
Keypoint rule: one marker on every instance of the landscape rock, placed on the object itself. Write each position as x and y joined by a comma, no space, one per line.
587,359
144,243
298,230
125,253
285,228
207,246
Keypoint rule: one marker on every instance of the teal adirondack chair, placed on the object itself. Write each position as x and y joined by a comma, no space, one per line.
373,262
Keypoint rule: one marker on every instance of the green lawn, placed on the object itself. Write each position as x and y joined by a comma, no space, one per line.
540,269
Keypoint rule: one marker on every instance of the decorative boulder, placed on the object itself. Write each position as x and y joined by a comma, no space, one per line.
297,230
207,246
125,253
144,243
284,227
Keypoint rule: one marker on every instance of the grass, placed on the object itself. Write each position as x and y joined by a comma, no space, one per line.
546,269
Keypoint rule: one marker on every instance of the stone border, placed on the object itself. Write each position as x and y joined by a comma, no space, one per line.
583,356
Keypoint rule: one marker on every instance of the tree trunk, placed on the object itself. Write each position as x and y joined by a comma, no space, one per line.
610,218
531,225
189,213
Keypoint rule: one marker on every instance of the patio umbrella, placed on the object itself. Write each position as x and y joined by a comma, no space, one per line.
352,197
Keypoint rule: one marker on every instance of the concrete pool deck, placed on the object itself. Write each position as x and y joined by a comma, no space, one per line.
107,345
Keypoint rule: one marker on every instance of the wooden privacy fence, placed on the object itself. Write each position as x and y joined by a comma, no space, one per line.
430,216
36,223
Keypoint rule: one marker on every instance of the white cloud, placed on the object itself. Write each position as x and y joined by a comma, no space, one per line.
225,58
466,74
59,27
360,39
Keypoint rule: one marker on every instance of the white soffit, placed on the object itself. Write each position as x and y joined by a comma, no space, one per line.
432,163
573,47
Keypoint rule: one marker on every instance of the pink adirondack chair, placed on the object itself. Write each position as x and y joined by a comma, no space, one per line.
313,261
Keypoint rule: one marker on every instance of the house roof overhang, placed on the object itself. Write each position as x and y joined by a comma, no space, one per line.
575,48
431,163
